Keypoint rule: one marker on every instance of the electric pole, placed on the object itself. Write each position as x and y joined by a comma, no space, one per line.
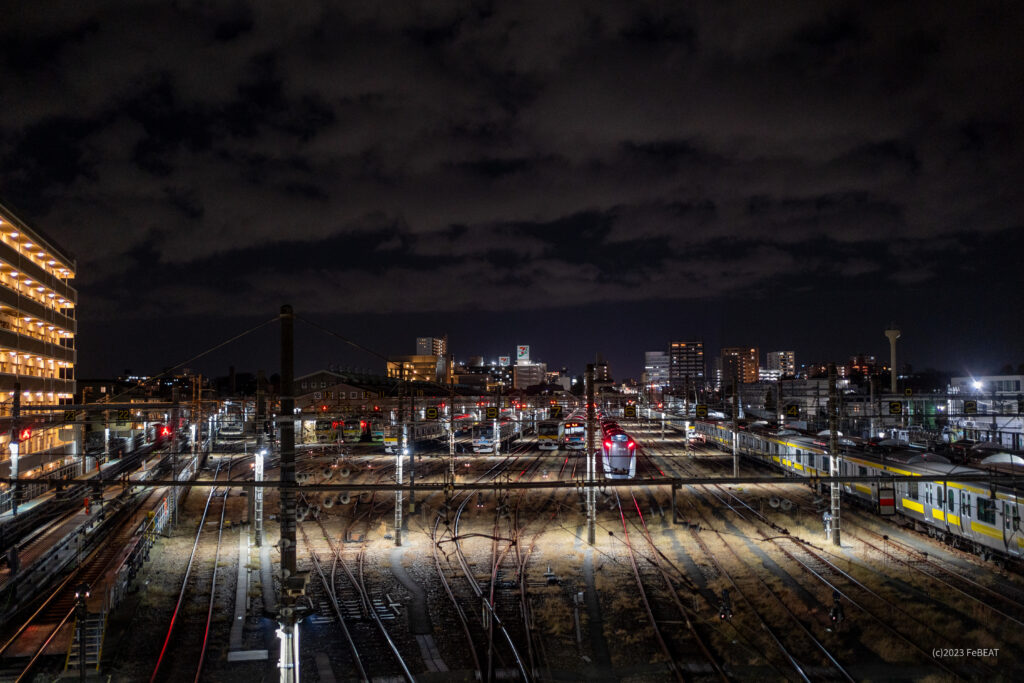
591,457
833,447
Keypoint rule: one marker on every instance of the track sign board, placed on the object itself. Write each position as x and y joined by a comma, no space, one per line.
970,407
123,416
492,413
431,413
908,392
555,412
702,410
793,410
69,416
630,411
895,408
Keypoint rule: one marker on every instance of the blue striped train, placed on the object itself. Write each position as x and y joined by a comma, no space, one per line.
978,517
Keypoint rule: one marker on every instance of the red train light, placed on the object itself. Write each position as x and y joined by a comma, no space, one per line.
608,445
631,444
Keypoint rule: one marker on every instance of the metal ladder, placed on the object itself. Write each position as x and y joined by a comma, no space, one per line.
95,626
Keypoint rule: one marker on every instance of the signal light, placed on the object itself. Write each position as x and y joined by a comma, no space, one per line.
165,431
25,434
323,408
362,424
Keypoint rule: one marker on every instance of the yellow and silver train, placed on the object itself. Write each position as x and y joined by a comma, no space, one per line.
971,515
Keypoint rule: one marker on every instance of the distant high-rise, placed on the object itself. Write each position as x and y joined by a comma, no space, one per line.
685,364
432,346
783,361
656,368
602,373
741,361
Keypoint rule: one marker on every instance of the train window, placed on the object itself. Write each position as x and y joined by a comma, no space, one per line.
928,493
951,497
986,511
1016,517
913,490
862,471
826,463
939,496
965,503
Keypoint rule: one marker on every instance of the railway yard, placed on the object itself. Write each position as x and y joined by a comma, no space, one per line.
492,583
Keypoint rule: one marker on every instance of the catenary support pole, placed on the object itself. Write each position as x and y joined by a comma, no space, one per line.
288,662
591,494
833,448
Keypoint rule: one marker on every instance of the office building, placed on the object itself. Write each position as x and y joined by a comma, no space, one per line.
656,368
432,346
740,362
686,365
782,361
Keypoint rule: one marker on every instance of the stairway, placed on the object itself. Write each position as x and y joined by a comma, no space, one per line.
95,624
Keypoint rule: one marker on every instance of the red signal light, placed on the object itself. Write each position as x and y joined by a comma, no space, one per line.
25,434
323,408
165,431
362,424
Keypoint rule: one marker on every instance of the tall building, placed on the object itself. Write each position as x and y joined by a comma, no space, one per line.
432,346
685,364
783,361
656,366
527,374
741,361
37,349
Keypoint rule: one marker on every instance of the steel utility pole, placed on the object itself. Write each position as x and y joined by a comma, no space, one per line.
291,583
833,447
256,514
173,495
451,431
403,445
591,457
735,419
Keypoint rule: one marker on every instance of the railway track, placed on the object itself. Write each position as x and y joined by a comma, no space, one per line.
188,636
58,608
883,611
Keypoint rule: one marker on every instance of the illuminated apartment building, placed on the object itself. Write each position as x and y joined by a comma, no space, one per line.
37,350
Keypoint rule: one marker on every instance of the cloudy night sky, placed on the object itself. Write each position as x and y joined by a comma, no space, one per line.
581,177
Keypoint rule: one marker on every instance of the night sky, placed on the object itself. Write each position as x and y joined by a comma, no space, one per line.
581,177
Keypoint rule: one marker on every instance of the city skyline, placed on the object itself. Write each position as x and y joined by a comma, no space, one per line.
586,178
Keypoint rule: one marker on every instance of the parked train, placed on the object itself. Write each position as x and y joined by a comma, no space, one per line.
618,453
421,435
574,433
484,440
982,518
549,435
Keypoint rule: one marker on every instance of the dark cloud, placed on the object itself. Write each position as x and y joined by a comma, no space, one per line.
447,157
